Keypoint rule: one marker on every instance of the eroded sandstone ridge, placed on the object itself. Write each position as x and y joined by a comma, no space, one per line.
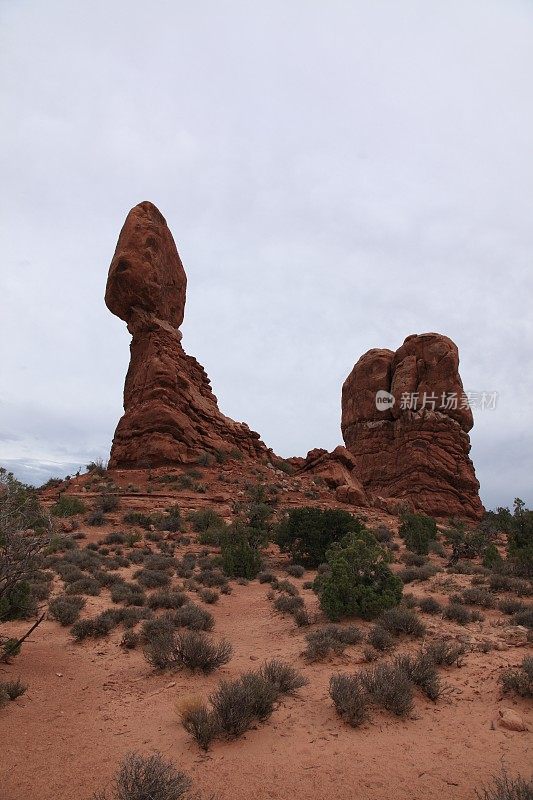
417,456
170,413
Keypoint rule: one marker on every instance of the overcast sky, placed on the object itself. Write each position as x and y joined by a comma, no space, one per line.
337,176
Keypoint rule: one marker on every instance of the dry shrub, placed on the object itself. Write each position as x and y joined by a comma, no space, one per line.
350,698
380,638
195,651
330,639
402,620
285,678
505,788
147,778
389,687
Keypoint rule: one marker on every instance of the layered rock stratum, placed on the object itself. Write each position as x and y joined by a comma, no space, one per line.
170,415
416,450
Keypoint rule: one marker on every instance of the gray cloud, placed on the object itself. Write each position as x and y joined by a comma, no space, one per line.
336,177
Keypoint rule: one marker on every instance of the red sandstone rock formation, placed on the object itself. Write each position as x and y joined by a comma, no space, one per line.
171,414
337,470
416,456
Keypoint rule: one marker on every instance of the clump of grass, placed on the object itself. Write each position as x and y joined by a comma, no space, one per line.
13,689
85,585
285,678
445,653
350,698
288,604
330,639
266,577
456,612
421,671
200,722
506,788
65,609
129,640
167,598
195,651
428,605
402,620
152,578
519,680
476,596
147,778
194,617
511,606
209,596
295,570
380,638
389,687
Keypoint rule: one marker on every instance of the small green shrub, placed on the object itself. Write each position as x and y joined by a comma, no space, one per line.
240,558
65,609
285,678
421,671
67,506
411,574
360,581
204,519
129,640
167,598
418,530
295,570
266,577
307,533
524,617
152,578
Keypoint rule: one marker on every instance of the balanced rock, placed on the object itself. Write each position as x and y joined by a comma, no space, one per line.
170,412
413,447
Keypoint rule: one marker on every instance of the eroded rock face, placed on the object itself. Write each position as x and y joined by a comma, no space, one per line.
170,412
338,471
418,456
